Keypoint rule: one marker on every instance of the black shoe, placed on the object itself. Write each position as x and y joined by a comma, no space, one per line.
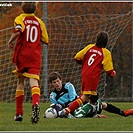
35,113
18,118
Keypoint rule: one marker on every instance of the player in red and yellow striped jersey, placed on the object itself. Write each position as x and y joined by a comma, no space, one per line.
93,58
29,31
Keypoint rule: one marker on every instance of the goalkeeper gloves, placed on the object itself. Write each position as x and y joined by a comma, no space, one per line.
56,106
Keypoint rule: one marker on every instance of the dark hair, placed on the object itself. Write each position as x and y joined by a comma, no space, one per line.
102,39
94,98
54,76
29,7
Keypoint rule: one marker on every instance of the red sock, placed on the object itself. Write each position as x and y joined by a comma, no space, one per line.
19,101
74,105
35,95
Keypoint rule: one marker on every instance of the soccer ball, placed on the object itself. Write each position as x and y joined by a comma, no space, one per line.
50,113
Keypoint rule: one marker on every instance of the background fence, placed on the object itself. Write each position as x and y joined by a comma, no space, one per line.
71,26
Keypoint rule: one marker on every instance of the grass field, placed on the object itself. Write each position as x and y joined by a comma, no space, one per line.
114,122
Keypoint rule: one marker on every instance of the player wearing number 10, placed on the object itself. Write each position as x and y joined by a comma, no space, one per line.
93,59
29,30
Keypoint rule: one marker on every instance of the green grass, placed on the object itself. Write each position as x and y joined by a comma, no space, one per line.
112,123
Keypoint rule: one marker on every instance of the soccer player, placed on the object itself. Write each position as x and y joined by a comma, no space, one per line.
93,58
63,93
89,110
29,31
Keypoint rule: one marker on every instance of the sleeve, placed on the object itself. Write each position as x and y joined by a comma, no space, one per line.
44,37
80,55
107,60
72,92
72,95
99,106
52,98
18,24
83,111
108,63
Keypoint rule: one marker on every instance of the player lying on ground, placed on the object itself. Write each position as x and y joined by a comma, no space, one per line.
89,110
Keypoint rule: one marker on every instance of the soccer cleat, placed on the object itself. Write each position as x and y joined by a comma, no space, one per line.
35,114
128,112
62,113
18,118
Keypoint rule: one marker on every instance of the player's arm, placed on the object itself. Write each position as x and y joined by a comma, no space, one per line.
18,28
72,94
100,116
44,37
108,63
52,98
12,38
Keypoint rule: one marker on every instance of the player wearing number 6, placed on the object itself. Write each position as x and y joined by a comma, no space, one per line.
29,30
93,59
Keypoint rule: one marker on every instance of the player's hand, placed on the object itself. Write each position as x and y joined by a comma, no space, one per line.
113,73
57,106
10,45
101,116
63,105
52,105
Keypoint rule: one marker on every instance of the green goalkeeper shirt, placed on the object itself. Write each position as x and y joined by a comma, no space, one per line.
88,110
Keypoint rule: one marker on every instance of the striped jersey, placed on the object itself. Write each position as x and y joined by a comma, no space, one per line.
88,110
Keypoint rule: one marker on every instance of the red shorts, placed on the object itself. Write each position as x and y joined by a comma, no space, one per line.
30,72
89,85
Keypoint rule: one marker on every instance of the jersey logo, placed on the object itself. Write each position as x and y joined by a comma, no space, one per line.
61,93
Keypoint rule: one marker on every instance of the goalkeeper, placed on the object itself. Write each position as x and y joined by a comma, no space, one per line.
63,93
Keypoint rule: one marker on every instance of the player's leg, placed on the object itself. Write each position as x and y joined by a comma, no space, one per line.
19,98
74,105
33,75
87,91
113,109
35,91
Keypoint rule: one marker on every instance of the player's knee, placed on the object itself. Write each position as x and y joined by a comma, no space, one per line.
104,105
